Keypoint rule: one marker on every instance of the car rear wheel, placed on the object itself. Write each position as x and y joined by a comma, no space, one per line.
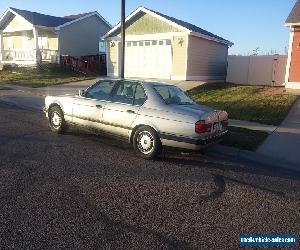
56,120
146,142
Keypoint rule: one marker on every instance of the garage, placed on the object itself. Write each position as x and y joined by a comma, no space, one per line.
141,59
163,47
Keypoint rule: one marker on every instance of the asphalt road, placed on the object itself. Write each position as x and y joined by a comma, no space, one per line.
79,191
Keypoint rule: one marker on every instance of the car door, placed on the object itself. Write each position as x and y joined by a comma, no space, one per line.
88,108
121,111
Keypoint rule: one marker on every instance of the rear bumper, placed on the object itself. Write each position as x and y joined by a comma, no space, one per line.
189,143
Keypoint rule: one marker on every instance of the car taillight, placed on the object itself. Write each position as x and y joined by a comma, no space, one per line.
202,127
225,123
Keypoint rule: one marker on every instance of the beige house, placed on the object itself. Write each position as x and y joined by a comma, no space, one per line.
26,36
159,46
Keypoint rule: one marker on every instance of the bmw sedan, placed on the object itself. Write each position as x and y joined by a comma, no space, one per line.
149,115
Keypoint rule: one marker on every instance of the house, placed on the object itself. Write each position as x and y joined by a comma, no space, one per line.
292,76
160,46
26,36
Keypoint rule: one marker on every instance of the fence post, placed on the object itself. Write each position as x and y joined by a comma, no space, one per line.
274,70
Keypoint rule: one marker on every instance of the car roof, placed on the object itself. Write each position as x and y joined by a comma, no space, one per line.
143,81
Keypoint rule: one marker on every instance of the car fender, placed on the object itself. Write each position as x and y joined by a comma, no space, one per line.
138,122
56,102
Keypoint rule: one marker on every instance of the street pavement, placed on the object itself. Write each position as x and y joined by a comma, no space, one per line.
80,191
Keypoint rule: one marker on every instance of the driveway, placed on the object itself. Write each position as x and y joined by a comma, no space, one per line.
78,191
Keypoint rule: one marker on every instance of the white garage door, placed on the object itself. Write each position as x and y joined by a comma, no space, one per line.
148,59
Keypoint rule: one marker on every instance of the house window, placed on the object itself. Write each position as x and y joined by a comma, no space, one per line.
161,42
154,42
147,43
128,44
141,43
134,43
102,47
168,42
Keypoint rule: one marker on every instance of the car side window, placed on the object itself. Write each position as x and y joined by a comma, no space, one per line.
100,90
124,93
140,96
163,92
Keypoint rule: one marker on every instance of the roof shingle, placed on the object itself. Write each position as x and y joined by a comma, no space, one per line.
294,16
42,19
76,16
189,26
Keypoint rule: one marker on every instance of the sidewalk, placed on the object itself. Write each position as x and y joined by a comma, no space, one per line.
281,149
252,125
284,143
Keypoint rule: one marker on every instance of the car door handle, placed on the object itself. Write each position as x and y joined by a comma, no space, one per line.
99,106
130,111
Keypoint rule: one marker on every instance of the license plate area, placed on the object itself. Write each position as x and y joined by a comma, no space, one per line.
217,127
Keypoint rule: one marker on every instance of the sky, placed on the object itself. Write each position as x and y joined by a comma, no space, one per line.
248,24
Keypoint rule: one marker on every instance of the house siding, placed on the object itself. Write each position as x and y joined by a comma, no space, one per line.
180,44
18,24
191,58
145,24
82,37
113,58
294,74
207,60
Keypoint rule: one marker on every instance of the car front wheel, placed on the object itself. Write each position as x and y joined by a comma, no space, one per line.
56,120
146,142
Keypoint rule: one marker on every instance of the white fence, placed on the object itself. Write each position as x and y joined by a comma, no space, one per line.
257,70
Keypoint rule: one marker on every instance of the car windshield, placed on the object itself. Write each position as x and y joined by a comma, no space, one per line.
173,95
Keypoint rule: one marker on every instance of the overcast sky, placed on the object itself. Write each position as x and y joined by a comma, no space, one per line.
249,24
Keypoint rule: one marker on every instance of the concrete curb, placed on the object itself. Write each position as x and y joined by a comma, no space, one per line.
253,157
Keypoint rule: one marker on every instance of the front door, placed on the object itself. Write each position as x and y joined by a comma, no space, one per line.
121,111
88,109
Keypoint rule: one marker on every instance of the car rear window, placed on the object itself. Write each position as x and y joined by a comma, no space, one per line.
173,95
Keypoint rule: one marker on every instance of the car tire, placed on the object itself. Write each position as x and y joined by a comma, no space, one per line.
146,142
56,119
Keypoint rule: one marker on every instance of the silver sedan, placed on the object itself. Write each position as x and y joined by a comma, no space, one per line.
149,115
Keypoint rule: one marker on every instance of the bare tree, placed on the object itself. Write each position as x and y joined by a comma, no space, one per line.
256,51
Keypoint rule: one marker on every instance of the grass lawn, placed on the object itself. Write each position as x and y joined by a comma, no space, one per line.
252,103
51,74
243,138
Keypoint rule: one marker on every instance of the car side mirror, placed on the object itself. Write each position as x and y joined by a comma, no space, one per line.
81,92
